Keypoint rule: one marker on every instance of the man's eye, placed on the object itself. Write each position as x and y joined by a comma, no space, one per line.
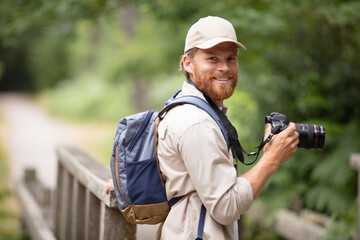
212,58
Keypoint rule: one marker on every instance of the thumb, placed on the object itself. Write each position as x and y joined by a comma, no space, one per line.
267,130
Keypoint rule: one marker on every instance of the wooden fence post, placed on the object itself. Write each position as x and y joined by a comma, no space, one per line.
81,208
355,163
83,211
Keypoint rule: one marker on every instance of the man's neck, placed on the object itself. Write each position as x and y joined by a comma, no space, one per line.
218,102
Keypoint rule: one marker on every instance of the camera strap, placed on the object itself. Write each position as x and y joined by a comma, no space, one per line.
236,147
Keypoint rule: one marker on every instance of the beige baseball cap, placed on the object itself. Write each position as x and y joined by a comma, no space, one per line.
210,31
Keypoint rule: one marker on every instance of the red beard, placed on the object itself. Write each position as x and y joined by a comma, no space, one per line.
216,91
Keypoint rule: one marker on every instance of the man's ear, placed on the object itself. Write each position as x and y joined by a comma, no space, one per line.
187,63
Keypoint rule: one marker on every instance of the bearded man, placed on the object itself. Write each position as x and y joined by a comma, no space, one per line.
194,159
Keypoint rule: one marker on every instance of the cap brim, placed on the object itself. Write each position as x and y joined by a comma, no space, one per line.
215,41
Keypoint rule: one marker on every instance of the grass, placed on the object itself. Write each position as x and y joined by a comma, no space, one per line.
10,223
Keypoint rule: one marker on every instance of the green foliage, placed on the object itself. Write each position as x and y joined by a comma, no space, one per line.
15,74
1,68
162,89
241,112
48,61
89,98
106,63
336,183
20,16
344,224
303,59
322,179
312,63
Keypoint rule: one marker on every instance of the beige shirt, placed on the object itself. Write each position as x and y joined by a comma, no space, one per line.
196,163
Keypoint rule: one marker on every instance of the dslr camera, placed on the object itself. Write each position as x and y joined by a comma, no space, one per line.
311,136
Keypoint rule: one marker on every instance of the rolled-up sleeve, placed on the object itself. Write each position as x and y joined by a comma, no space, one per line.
208,162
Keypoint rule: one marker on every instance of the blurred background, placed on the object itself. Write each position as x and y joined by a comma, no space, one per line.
84,64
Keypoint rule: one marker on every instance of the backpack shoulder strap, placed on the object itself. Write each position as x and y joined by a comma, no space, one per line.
200,103
205,106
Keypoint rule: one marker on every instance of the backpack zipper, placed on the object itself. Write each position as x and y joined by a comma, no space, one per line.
117,169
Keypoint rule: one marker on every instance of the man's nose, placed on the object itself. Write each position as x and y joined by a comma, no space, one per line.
223,66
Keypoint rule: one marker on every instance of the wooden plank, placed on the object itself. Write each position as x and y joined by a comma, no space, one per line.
91,173
58,202
69,206
35,222
355,161
78,214
114,226
63,196
92,216
292,227
358,206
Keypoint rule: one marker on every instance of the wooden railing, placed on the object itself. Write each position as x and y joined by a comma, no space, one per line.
83,210
80,209
35,206
355,163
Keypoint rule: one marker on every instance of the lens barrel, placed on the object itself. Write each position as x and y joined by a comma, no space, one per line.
311,136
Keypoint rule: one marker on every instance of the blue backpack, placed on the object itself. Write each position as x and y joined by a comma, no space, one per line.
139,187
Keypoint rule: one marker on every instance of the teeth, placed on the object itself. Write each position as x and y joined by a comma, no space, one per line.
222,79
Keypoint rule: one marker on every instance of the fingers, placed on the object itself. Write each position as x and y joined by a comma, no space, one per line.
292,136
291,127
290,131
294,133
282,146
109,185
289,136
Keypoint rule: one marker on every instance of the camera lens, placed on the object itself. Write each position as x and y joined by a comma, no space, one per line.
311,136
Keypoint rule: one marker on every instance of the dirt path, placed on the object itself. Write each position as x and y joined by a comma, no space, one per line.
31,137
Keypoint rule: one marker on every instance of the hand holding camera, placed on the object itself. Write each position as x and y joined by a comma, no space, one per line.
290,137
310,136
282,146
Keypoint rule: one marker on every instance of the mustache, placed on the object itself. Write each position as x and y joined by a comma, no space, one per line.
229,75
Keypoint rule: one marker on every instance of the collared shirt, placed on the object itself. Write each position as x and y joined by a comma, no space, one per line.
195,163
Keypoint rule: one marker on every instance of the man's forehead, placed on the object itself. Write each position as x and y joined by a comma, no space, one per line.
225,47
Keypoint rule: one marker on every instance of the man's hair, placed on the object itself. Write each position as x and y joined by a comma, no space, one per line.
191,54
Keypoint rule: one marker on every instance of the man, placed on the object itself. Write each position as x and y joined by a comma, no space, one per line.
193,155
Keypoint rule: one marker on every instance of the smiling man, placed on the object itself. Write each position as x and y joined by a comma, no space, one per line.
214,71
194,159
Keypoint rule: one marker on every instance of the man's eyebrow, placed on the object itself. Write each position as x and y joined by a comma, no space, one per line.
210,52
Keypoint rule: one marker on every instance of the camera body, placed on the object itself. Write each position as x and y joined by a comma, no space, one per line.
310,136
